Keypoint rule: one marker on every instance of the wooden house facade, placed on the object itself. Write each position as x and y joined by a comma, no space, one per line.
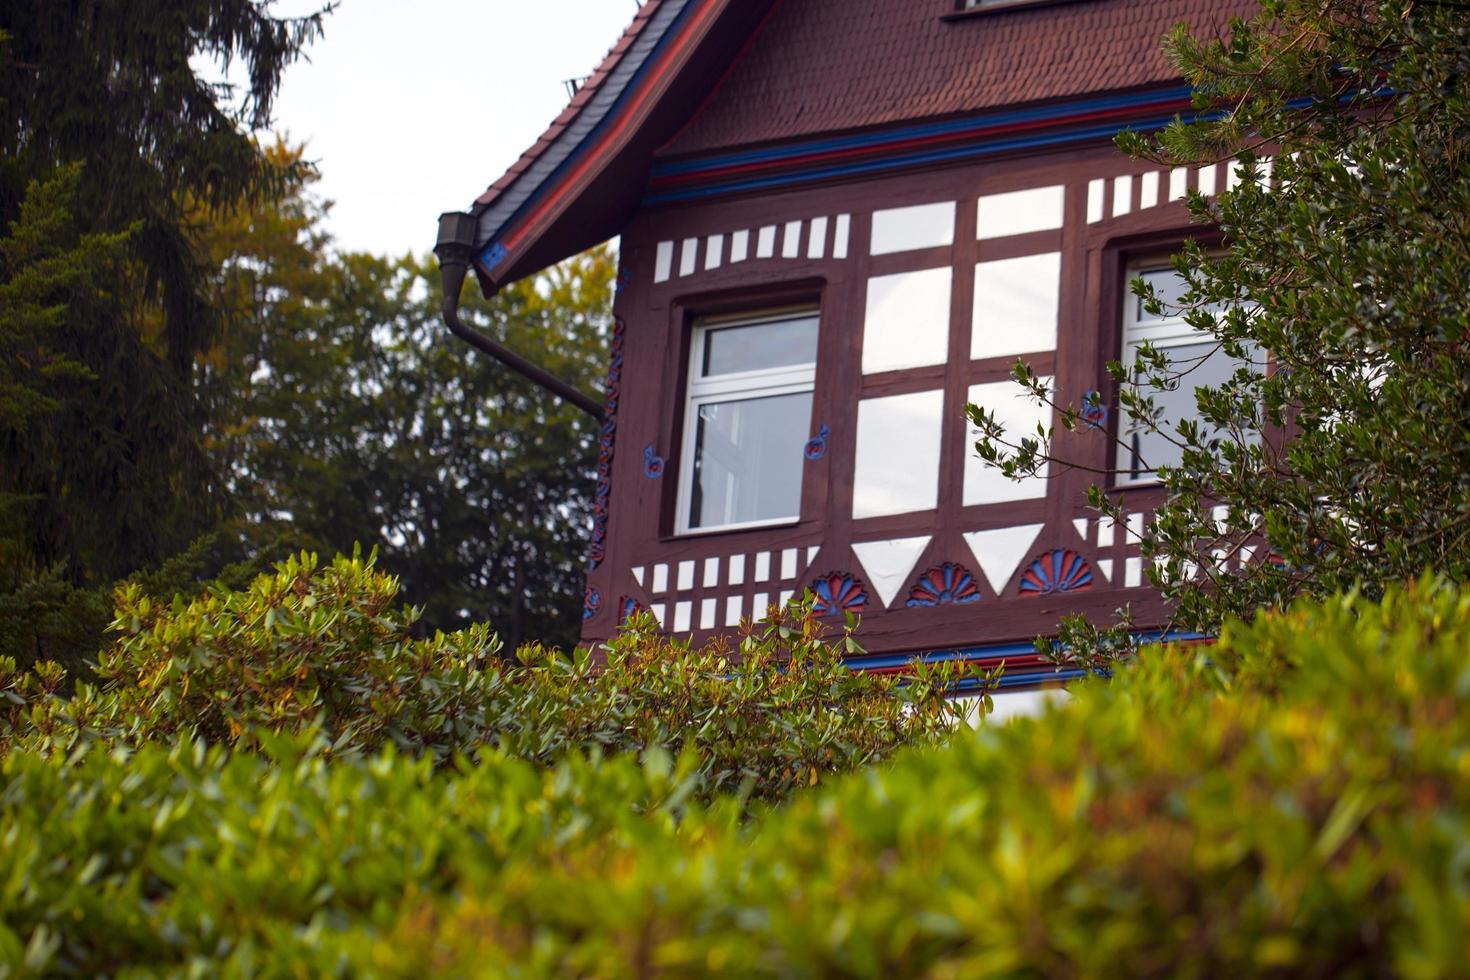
840,221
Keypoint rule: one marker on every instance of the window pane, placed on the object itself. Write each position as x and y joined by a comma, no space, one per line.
748,460
1148,450
1168,286
760,346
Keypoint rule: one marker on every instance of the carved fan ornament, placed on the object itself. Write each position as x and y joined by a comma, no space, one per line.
943,585
1062,570
838,593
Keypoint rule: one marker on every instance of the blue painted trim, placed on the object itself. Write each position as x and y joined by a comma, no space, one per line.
998,651
1033,114
951,154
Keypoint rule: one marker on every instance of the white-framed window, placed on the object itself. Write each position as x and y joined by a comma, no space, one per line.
1194,357
747,419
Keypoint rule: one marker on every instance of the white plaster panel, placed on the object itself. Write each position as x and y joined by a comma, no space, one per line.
638,574
1080,525
1178,183
760,606
1122,195
811,554
907,322
765,243
907,229
1148,190
663,263
739,246
1019,415
816,245
658,613
788,564
791,240
1016,305
711,572
1001,551
733,611
786,595
1133,573
686,576
763,567
708,611
683,613
688,257
660,578
839,236
890,563
737,569
1019,212
1095,189
1105,565
714,251
1207,180
897,465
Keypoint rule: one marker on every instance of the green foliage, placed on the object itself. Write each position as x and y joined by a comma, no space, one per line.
112,146
326,650
1346,460
83,480
1290,801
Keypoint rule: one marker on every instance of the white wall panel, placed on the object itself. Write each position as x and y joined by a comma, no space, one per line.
1020,212
1019,415
907,229
897,466
1016,305
907,320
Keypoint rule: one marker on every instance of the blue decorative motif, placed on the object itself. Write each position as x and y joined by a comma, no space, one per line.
1057,571
1094,412
493,256
945,584
816,447
838,593
597,552
625,276
627,608
591,603
653,464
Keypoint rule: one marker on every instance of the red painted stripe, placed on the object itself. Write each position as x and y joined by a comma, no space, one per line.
1015,662
795,163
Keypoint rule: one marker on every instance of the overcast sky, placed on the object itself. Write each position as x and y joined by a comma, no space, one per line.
412,107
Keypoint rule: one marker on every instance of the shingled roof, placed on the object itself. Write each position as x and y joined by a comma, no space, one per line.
570,189
822,66
691,77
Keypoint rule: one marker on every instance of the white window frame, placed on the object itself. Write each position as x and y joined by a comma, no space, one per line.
1170,331
742,386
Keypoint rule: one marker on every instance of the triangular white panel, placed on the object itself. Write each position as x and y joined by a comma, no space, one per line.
638,574
890,563
811,554
1001,552
1080,523
1105,565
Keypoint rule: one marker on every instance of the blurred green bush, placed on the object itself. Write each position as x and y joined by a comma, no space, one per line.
1293,801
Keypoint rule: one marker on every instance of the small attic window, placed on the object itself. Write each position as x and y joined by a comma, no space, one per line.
969,8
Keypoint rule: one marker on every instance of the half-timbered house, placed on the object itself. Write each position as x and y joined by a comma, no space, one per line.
840,221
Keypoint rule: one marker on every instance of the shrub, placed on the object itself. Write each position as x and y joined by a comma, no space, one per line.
1293,801
309,648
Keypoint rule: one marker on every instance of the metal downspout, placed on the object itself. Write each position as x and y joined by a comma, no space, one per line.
455,247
